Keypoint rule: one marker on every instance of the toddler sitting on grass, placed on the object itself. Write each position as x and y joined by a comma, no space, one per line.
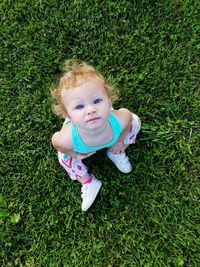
83,98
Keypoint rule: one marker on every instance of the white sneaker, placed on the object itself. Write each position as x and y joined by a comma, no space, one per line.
121,161
89,192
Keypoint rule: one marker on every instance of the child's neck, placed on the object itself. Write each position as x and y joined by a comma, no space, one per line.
98,136
95,132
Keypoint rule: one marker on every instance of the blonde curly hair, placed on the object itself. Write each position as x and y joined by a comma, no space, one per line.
75,73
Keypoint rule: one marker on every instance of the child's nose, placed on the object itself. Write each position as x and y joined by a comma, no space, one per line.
91,109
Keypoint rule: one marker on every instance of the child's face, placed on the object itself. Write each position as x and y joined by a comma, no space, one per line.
87,105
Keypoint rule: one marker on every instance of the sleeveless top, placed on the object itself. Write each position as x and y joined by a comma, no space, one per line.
81,147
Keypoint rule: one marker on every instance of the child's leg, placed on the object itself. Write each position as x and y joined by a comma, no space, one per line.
74,167
78,171
120,160
134,130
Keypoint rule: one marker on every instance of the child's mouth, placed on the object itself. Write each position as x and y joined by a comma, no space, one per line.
93,119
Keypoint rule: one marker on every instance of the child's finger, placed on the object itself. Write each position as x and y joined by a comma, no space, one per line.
91,153
83,156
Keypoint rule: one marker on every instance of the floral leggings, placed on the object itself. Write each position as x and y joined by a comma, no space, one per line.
76,168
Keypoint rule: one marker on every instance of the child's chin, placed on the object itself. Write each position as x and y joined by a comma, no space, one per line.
94,126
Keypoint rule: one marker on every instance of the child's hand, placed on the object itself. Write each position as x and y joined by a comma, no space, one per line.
117,148
83,156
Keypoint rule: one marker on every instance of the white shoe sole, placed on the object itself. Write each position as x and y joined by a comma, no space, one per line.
87,205
124,169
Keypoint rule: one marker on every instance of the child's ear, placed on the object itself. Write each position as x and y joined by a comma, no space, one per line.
66,115
110,103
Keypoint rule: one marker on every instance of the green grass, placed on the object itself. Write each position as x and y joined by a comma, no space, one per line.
150,50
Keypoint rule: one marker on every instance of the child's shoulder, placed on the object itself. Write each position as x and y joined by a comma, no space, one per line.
123,115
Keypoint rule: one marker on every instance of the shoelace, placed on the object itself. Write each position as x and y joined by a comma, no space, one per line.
121,157
84,188
84,191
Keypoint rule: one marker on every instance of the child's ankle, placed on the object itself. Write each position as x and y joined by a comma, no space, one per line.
86,179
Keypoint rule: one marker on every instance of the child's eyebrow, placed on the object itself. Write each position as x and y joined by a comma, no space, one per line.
78,98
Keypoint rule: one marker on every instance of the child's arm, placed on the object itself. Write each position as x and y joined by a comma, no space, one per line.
125,118
62,142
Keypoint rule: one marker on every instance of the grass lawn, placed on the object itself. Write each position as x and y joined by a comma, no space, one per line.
148,218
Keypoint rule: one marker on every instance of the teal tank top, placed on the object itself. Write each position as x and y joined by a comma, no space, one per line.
81,147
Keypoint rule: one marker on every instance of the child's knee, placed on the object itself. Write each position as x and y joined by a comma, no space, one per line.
136,123
134,130
74,167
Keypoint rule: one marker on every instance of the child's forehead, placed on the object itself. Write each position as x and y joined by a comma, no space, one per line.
92,85
94,80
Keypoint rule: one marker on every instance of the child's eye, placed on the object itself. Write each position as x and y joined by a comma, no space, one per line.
79,107
97,101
